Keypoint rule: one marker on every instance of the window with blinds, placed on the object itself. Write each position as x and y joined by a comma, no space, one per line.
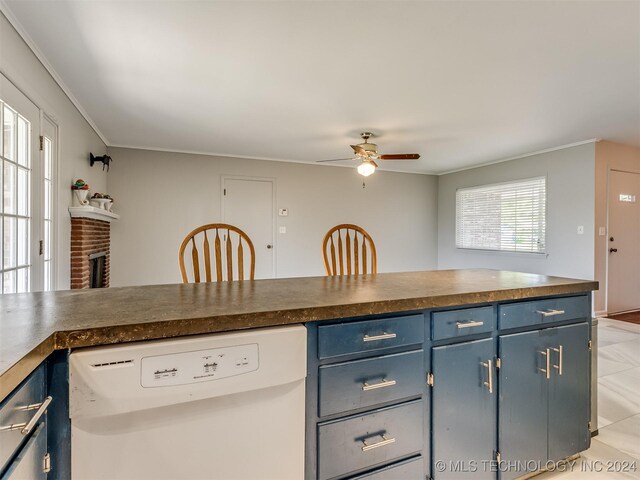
508,217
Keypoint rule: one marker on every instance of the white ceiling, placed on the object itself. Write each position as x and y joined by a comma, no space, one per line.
461,83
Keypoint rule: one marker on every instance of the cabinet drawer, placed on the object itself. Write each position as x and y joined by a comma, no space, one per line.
356,443
538,312
13,411
409,470
460,323
369,335
363,383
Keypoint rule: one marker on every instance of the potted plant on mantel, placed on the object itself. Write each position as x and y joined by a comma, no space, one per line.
81,190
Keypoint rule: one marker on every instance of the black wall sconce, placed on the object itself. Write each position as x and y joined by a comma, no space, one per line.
105,159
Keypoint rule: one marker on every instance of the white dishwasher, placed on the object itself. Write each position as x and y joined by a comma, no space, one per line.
206,407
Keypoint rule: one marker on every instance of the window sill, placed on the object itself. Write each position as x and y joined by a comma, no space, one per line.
504,253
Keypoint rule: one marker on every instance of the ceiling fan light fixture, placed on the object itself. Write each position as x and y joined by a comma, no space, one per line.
366,168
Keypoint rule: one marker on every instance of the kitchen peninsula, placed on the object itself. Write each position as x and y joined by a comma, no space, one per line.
456,342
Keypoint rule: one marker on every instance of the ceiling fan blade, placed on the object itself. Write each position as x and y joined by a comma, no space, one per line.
400,156
373,163
334,160
359,150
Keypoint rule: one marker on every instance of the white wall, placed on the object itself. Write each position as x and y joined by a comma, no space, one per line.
570,202
76,137
162,196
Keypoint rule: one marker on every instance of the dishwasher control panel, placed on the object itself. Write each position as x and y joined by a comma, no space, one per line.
198,366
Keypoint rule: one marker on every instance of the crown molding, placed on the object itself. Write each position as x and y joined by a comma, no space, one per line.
524,155
245,157
22,32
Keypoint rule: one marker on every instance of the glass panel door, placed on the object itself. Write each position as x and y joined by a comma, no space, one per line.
19,119
49,168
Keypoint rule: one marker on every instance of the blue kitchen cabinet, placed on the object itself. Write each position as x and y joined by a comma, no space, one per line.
544,397
569,411
367,399
464,401
23,430
35,434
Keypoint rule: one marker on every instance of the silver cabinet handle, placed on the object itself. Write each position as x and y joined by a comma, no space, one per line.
489,382
559,365
550,312
372,386
370,446
25,428
469,324
547,370
384,336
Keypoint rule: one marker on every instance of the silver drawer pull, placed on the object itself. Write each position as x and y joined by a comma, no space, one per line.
25,428
384,336
370,446
372,386
550,312
469,324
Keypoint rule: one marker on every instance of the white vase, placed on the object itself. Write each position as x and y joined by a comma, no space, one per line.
100,203
81,197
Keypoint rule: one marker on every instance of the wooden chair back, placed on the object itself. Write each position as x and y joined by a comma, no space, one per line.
349,250
230,249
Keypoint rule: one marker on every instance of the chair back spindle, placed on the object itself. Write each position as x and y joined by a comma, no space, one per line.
344,254
198,239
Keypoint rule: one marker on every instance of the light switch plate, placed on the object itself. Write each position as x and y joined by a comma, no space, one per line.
283,212
602,231
580,230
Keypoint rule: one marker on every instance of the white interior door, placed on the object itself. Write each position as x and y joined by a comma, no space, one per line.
623,285
247,203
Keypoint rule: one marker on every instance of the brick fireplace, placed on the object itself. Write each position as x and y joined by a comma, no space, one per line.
90,247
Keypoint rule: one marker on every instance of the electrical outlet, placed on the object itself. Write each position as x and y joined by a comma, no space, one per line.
283,229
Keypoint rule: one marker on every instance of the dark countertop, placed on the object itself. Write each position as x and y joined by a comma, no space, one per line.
33,325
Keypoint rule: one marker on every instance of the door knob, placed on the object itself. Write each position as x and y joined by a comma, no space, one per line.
269,246
613,250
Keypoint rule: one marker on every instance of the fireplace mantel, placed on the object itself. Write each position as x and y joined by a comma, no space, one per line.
93,212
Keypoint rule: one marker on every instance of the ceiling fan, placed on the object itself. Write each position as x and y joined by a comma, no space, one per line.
367,154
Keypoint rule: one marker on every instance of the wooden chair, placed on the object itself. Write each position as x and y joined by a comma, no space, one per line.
226,256
353,255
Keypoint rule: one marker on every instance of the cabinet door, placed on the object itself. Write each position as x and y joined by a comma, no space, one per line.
29,463
568,390
464,410
522,425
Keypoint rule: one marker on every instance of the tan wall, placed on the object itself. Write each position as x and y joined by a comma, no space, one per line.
609,156
570,200
161,196
76,138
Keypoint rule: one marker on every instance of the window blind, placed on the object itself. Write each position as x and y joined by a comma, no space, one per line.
507,217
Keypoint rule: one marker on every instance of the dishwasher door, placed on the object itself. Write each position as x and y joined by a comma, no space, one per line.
227,406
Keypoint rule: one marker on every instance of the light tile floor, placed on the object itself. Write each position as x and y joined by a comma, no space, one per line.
618,442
